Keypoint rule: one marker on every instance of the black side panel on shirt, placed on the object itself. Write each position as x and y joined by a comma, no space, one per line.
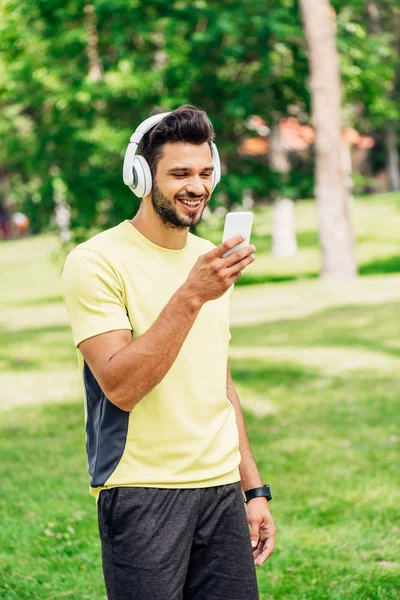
106,431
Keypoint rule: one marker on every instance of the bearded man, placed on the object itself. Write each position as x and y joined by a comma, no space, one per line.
168,452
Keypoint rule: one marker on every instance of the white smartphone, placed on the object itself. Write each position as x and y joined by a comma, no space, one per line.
238,223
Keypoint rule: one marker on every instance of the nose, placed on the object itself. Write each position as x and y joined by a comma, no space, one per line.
196,186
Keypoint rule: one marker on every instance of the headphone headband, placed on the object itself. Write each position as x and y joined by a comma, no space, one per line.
134,142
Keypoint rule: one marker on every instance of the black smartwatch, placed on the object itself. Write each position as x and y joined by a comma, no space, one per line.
259,492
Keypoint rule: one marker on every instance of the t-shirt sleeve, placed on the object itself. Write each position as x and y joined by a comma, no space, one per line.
93,295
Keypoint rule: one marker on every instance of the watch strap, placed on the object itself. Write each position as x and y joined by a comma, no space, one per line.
259,492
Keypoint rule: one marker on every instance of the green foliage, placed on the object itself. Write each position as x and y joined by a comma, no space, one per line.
65,128
231,59
369,61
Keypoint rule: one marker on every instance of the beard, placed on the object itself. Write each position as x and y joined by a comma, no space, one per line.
168,213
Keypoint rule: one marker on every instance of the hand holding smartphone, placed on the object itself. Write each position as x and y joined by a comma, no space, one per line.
211,277
238,223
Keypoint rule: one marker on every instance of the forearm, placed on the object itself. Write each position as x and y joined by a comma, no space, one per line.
249,474
137,368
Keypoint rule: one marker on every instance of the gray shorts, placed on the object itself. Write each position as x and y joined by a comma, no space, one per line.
176,544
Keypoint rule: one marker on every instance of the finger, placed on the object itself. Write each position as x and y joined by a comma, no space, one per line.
227,245
266,553
242,264
258,549
254,534
234,278
239,255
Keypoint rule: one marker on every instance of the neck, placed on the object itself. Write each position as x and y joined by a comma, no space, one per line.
149,224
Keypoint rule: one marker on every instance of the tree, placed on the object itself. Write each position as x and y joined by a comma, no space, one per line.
368,35
336,238
78,77
391,126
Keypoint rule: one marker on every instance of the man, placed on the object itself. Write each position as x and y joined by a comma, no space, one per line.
166,439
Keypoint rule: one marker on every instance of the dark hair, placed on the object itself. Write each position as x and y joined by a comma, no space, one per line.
185,124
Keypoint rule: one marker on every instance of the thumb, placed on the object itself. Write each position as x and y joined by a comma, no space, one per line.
254,534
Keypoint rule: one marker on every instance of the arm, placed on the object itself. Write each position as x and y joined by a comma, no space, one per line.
249,475
262,526
129,369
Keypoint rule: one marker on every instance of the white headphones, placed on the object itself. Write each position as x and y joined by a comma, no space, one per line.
136,171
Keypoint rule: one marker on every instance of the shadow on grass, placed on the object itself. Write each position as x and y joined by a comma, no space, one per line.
381,266
256,371
26,302
30,335
29,349
305,239
260,278
372,328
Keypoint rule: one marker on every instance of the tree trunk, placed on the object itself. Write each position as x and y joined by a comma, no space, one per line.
335,233
392,155
284,242
345,157
6,208
95,67
374,18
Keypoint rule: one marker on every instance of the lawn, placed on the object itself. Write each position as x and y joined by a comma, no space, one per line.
316,365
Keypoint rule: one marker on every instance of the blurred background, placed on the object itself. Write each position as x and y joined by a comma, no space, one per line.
305,101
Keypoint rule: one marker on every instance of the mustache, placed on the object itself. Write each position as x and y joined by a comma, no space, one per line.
192,195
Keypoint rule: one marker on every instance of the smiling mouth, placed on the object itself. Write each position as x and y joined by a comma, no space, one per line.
190,203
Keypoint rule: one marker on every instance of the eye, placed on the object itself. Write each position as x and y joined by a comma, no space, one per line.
206,175
180,175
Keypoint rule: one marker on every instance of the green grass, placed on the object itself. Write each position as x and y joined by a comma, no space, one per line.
316,365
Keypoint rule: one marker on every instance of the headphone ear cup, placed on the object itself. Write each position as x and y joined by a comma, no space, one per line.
142,179
216,177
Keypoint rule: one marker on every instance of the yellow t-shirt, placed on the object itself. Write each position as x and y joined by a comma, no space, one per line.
182,434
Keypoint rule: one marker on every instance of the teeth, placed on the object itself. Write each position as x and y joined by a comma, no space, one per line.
191,204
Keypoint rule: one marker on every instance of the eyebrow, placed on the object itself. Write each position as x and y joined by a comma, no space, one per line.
187,170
